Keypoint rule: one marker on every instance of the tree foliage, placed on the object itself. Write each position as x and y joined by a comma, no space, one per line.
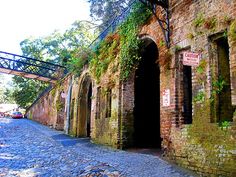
123,45
26,90
5,90
105,11
59,48
8,96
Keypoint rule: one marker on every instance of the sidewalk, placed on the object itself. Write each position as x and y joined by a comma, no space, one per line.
46,152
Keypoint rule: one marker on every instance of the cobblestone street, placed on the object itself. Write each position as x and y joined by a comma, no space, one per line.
30,149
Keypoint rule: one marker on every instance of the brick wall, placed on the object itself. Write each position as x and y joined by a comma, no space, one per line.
105,128
202,145
50,108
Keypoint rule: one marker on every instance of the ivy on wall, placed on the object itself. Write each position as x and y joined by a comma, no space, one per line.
79,59
212,141
105,53
232,30
130,44
207,25
123,45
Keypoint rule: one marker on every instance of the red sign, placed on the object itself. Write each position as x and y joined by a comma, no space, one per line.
191,58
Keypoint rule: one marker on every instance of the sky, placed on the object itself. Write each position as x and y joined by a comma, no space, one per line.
21,19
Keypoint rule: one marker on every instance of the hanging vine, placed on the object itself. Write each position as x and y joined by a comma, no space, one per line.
130,44
123,45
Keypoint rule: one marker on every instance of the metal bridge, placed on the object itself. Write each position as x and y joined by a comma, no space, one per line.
30,68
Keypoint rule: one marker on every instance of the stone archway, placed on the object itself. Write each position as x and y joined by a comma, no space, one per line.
141,115
84,107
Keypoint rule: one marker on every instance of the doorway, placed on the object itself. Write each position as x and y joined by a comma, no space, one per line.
89,103
147,100
187,91
225,109
84,108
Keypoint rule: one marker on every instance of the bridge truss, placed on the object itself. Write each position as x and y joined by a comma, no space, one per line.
30,68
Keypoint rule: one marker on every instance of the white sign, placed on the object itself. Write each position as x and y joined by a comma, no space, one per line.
166,97
63,95
191,58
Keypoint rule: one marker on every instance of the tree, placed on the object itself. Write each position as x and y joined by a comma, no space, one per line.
8,94
105,11
6,89
26,90
58,48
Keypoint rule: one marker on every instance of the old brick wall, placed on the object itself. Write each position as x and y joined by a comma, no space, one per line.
79,91
105,127
50,108
75,118
126,106
151,31
73,122
202,146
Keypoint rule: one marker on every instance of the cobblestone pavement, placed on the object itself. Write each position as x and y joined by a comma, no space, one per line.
30,149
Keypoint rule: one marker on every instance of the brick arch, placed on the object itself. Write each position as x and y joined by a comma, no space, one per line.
84,106
132,88
147,39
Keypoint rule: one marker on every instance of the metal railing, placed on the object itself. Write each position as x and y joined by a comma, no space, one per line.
112,27
20,64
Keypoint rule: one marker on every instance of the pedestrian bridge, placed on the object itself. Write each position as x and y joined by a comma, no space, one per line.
30,68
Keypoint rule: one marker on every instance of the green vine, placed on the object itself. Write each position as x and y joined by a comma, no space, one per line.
190,36
59,105
123,45
218,85
224,124
130,44
105,53
199,21
78,60
210,23
161,43
201,72
202,66
227,20
232,31
200,97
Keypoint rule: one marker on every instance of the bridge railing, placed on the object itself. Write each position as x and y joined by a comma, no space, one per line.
29,65
112,27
